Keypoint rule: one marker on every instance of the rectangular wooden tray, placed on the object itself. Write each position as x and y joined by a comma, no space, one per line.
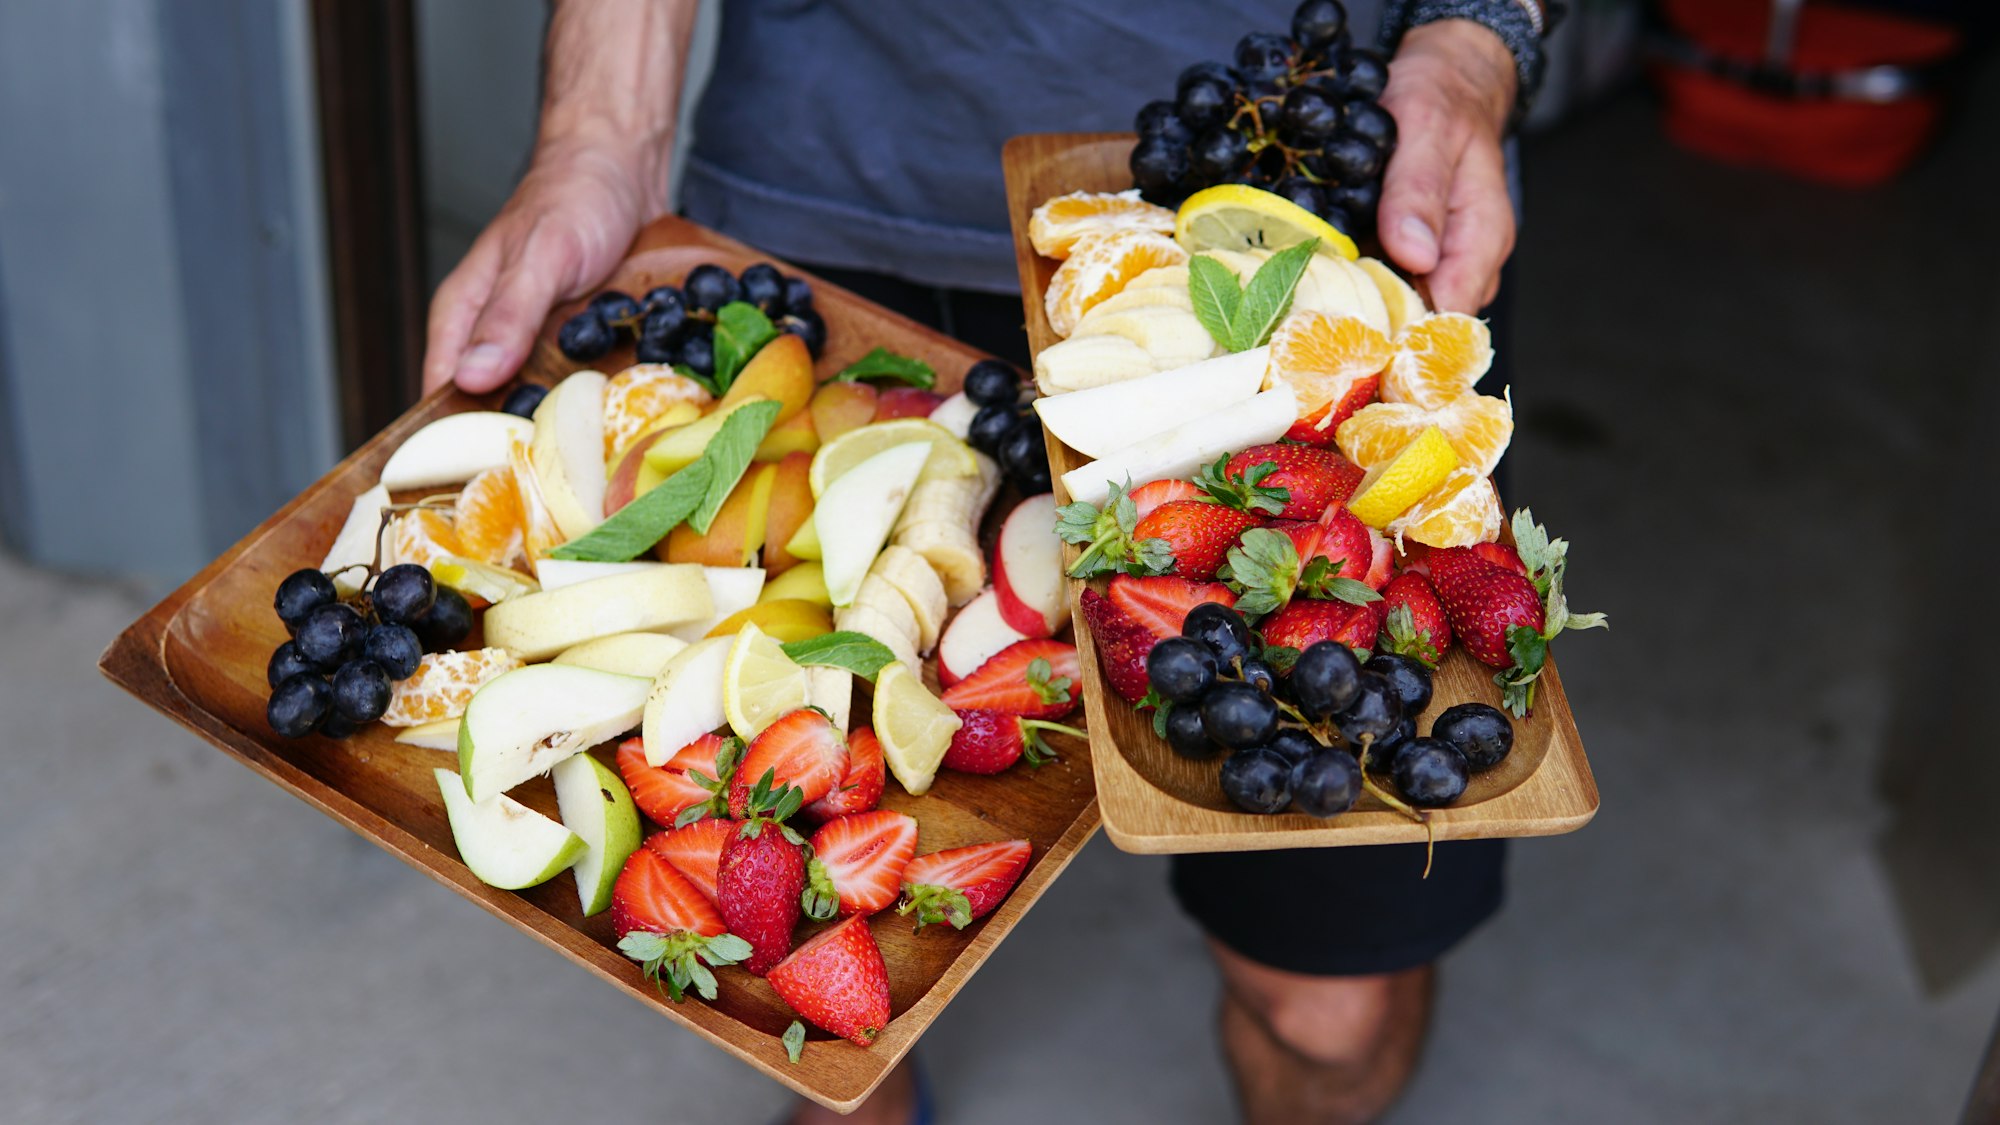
199,657
1154,801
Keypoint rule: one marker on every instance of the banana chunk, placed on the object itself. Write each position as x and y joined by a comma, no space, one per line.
952,552
863,619
919,585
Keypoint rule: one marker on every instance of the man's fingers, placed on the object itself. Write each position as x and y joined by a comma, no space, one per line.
1478,232
506,329
455,308
1416,188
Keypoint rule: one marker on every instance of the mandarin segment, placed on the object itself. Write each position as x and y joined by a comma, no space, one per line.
1379,431
1478,427
1323,359
489,523
1099,266
1438,360
423,536
1060,223
539,532
1464,510
634,397
443,684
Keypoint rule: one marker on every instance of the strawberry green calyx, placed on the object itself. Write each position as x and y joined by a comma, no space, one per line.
794,1040
1406,639
673,962
1037,752
1247,492
717,805
820,900
1547,560
769,805
1263,568
1047,686
1106,534
930,903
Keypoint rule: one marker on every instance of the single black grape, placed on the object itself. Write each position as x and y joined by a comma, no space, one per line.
300,593
1374,712
1317,23
1408,676
522,400
709,287
1482,733
1262,54
1326,783
1023,449
1218,153
798,295
662,297
1338,219
1238,715
1034,480
991,382
1358,200
330,636
1308,117
655,347
1301,191
1205,103
806,325
1259,675
665,320
1186,736
1158,165
1430,773
1181,669
1258,781
618,309
989,427
1350,159
336,726
1269,90
585,336
395,647
298,704
1383,752
1365,73
1220,73
1295,745
1159,119
360,691
447,623
286,662
1370,122
697,351
764,287
403,593
1221,628
1325,680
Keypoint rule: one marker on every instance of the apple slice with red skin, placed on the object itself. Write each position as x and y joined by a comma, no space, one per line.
1028,568
974,636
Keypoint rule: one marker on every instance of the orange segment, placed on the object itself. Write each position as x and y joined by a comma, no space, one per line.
1458,513
1478,427
1099,266
1380,430
1323,359
639,394
1438,360
443,684
423,536
1058,224
539,531
490,524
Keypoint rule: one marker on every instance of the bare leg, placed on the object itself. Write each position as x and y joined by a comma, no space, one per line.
892,1103
1308,1050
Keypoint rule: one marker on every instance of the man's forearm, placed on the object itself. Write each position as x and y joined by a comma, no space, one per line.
615,69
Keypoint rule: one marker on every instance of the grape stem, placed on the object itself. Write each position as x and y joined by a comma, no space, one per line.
442,502
1397,803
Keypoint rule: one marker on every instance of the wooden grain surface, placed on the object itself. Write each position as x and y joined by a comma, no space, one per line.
199,657
1155,801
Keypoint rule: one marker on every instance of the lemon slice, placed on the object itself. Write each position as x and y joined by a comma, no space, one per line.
1404,306
470,576
1240,217
760,683
914,726
949,458
1391,488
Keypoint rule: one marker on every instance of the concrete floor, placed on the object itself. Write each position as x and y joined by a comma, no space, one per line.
1728,386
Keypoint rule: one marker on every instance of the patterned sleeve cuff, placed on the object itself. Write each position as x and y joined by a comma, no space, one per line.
1506,18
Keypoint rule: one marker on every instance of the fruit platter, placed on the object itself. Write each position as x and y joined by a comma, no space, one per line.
710,653
1304,617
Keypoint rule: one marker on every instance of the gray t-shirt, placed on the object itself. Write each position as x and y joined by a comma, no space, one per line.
866,133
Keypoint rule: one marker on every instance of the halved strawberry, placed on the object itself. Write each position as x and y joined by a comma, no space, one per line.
1122,644
1317,427
860,788
958,885
694,850
1383,567
857,864
837,981
1303,622
1313,479
800,749
651,895
1161,604
1154,493
665,793
1012,681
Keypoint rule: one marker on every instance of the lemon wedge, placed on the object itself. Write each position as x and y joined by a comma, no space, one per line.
1240,217
760,683
914,726
950,457
1393,487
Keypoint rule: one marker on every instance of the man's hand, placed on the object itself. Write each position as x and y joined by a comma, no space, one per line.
1445,211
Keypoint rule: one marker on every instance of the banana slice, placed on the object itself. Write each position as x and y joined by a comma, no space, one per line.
953,553
941,501
882,596
1173,337
832,691
1159,277
1130,298
989,485
919,585
862,619
1090,361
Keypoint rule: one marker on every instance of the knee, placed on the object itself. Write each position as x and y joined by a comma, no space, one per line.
1348,1022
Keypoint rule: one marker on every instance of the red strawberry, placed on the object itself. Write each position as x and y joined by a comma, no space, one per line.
1507,617
1303,622
1122,644
664,793
857,863
1293,561
860,789
1313,479
1309,428
1197,534
905,402
1383,567
1013,682
665,923
1161,604
958,885
1415,622
1500,554
1346,540
761,876
990,741
1154,493
801,750
1484,601
694,850
837,981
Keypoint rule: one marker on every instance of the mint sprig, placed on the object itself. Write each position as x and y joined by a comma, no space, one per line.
859,653
1243,317
1106,536
885,364
741,331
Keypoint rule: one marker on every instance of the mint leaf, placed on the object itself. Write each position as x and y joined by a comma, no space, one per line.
729,452
885,364
703,381
859,653
1269,296
795,1040
1216,295
634,528
741,330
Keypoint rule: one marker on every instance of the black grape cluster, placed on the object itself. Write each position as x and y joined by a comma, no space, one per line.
1297,116
1006,428
670,325
333,675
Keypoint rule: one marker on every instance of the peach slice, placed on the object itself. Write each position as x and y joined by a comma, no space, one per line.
791,507
839,407
736,534
781,371
793,435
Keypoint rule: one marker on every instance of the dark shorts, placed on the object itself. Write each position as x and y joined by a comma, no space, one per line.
1322,911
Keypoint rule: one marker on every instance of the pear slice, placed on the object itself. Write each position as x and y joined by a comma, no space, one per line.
537,626
439,735
554,574
731,590
857,510
597,807
568,452
628,654
503,842
454,449
525,721
355,546
1178,452
685,699
1100,421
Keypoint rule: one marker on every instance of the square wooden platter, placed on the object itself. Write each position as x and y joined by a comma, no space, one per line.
1155,801
199,657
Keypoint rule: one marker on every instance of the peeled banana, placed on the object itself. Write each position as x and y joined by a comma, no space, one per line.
913,578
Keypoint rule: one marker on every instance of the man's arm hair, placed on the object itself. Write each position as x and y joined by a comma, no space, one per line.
614,70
